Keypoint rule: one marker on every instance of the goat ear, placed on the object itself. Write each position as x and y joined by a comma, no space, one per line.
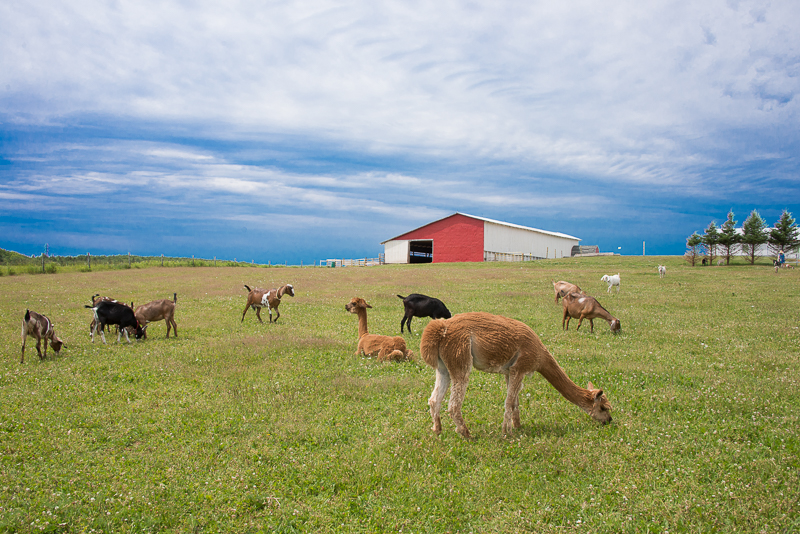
590,386
598,394
368,306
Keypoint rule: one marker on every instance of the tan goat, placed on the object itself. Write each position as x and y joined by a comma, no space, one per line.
561,288
258,298
158,310
40,328
386,348
495,344
580,307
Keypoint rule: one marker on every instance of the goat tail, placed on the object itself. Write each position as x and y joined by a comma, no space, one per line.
432,337
401,297
247,288
174,298
27,316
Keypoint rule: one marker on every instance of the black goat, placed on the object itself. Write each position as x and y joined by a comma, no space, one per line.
417,305
107,312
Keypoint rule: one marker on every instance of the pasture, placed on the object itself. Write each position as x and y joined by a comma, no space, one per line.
248,427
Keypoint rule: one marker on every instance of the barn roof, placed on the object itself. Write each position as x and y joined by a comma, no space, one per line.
510,225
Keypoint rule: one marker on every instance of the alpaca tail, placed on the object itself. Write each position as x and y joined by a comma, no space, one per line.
432,337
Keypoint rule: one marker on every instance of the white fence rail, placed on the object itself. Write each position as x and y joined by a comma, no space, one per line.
360,262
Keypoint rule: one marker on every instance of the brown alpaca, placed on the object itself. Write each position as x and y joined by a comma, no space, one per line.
495,344
257,298
562,288
387,348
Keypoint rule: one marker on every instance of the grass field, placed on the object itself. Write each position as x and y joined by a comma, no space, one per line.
247,427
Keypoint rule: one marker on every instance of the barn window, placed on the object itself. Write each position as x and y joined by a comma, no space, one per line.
420,251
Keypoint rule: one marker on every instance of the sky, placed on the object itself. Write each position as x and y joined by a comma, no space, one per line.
280,131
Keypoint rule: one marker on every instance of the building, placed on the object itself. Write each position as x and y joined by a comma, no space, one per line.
461,237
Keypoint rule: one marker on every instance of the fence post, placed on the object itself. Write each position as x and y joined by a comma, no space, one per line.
129,260
42,262
162,260
89,259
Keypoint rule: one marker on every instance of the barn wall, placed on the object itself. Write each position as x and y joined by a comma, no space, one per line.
500,238
456,238
396,251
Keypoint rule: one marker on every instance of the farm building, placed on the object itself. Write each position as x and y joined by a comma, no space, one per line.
462,237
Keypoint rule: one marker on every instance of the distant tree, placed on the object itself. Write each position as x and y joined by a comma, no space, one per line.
710,241
728,238
693,244
784,236
753,235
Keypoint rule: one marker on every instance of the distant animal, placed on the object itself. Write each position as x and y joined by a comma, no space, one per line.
386,348
417,305
580,307
705,261
720,262
158,310
561,288
662,271
495,344
612,280
39,327
258,298
115,313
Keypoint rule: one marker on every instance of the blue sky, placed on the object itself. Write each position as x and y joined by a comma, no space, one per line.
296,131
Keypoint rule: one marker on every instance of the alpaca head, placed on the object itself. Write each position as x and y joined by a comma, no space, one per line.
601,408
356,304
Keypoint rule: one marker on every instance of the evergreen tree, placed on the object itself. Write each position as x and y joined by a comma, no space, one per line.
710,241
784,236
693,244
753,235
728,238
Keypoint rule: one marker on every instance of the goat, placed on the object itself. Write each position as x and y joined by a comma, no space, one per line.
40,327
582,307
417,305
96,298
662,271
611,280
158,310
122,315
258,298
561,288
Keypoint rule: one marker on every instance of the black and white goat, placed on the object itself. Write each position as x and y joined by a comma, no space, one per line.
108,313
417,305
39,327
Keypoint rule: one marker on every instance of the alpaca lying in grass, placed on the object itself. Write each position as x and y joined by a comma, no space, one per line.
386,348
495,344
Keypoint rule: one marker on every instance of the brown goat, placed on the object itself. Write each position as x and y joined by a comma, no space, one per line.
562,288
39,327
158,310
258,298
386,348
580,307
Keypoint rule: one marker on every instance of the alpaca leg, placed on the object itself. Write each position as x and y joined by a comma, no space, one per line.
457,393
437,396
511,418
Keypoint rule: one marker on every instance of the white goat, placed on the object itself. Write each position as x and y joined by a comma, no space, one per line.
611,280
662,271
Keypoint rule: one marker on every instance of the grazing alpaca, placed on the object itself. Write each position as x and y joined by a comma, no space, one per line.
495,344
562,288
387,348
257,298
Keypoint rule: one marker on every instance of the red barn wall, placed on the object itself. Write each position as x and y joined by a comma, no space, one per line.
456,238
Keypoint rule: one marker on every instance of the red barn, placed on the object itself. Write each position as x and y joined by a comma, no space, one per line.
462,237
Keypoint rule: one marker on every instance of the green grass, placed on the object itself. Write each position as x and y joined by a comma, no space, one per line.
244,427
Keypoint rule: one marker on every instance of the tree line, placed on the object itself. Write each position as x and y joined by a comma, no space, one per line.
726,241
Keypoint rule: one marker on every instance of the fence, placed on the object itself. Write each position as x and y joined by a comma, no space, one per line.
361,262
509,256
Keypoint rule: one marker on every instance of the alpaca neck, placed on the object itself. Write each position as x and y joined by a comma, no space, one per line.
362,323
554,374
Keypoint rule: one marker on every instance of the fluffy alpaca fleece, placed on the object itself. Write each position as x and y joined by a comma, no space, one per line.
495,344
386,348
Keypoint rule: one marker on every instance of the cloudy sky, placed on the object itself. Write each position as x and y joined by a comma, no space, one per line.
296,131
